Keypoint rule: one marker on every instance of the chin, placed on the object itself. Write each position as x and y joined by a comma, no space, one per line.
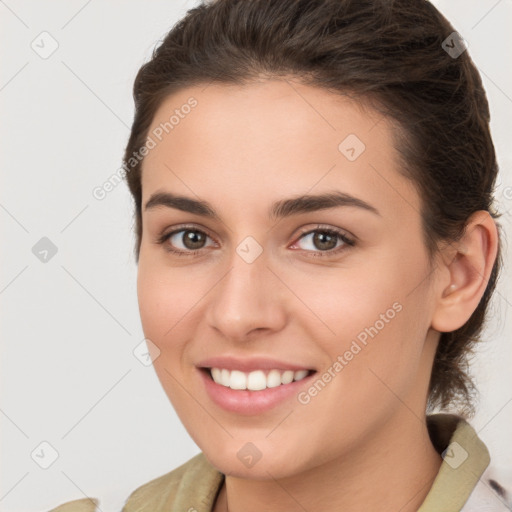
249,463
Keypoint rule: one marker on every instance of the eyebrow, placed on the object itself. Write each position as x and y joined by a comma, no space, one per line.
279,209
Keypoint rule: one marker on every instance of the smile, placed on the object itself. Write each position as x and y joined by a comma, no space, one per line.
256,380
254,391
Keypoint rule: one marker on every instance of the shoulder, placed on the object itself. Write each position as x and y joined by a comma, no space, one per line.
193,485
83,505
467,478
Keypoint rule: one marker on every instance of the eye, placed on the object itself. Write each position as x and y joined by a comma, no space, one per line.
190,241
184,242
324,240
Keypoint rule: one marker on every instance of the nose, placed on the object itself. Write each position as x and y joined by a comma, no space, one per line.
249,298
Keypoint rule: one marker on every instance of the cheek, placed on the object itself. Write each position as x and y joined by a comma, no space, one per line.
350,302
165,305
371,320
166,296
166,308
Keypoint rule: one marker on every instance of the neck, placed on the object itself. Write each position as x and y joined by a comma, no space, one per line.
394,471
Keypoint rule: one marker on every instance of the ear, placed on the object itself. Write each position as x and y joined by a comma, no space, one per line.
466,272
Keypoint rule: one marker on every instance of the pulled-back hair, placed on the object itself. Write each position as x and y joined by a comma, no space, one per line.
392,54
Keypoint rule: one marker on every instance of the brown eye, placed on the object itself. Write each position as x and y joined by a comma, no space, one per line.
193,239
324,240
185,241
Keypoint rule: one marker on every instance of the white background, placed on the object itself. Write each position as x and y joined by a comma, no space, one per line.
69,326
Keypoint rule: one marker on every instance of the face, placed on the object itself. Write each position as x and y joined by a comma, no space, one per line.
238,274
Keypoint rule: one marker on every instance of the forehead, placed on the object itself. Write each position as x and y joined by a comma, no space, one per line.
281,114
270,136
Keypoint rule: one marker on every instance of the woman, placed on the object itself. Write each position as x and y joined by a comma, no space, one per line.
316,247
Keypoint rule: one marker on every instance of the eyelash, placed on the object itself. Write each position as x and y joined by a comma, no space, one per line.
347,241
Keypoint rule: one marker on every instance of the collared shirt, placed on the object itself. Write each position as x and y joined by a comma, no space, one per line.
461,484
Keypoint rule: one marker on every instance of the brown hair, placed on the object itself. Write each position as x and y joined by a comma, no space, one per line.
390,53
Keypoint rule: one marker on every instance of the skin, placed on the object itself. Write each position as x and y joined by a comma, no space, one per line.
242,148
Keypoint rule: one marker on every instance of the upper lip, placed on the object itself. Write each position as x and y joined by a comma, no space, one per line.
249,364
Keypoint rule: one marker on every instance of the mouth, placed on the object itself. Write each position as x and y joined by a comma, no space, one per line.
256,380
255,385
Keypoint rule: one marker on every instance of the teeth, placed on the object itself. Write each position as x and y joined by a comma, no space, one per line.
238,380
224,378
299,375
256,380
287,377
273,379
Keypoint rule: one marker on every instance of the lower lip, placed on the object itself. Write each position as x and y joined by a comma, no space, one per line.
248,402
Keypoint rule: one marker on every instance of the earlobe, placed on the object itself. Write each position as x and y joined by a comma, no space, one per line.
468,272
